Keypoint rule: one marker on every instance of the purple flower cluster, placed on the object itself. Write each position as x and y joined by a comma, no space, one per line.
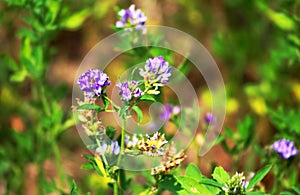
129,89
93,82
168,111
113,148
131,18
285,147
157,71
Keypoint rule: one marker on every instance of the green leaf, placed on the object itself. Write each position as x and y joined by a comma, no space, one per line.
54,8
169,182
296,189
182,192
75,21
139,113
281,20
229,132
90,107
105,102
286,193
9,62
210,182
74,188
193,172
88,157
259,176
96,163
220,175
192,186
147,98
87,166
18,76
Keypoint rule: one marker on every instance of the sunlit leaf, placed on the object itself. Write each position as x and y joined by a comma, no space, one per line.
75,21
139,113
192,186
147,98
220,175
193,171
73,188
90,107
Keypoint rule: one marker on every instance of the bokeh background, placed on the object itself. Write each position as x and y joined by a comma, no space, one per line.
255,44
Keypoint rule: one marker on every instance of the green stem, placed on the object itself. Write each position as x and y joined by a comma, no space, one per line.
121,152
44,101
112,103
235,158
116,188
58,161
109,111
122,140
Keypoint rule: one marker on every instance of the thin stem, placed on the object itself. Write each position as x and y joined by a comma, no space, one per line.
109,111
121,152
58,162
116,188
44,101
235,162
122,140
112,103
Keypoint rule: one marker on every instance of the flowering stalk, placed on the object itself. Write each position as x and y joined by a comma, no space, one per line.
93,83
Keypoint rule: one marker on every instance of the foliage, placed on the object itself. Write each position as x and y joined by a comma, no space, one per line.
41,112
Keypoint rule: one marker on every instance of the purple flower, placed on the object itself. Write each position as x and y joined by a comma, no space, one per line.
137,93
128,90
131,18
93,82
113,148
210,119
285,147
102,149
157,72
176,110
168,111
131,142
